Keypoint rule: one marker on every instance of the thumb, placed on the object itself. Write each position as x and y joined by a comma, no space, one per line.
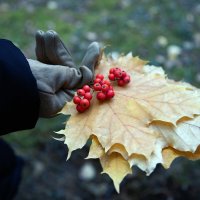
92,56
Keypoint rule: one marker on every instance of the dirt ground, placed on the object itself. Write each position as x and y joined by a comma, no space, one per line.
48,176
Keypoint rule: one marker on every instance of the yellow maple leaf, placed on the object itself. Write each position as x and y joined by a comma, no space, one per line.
112,162
96,149
125,118
116,167
149,114
110,122
170,154
185,137
165,156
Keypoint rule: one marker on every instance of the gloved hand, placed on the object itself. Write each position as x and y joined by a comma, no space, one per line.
59,77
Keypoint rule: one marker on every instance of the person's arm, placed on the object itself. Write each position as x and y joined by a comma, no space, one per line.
19,98
31,89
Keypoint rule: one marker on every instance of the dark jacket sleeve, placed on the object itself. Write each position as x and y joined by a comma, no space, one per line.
19,98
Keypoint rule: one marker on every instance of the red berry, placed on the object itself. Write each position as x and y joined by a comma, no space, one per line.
107,82
100,76
111,77
86,88
97,80
84,103
76,99
101,96
81,92
105,88
121,82
118,73
127,79
112,70
97,87
117,69
111,87
110,94
124,74
80,109
88,96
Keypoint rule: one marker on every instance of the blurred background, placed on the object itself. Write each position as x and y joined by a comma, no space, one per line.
167,33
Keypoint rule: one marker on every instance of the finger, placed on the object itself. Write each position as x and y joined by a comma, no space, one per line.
40,47
73,79
92,55
56,51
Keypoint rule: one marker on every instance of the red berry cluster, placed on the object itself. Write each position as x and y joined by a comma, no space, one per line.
119,75
104,88
82,99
